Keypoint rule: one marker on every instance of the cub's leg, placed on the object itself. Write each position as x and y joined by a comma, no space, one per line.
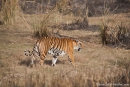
54,60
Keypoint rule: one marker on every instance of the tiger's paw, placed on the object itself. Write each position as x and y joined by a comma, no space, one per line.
53,65
31,65
73,65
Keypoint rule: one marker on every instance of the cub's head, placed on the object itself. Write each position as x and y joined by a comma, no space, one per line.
77,45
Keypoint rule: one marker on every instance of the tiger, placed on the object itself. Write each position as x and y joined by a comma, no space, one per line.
54,46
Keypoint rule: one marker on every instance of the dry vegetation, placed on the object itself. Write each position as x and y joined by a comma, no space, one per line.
96,65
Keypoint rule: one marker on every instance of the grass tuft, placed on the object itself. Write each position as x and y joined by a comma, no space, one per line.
9,10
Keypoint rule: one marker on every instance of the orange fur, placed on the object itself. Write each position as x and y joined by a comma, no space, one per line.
65,44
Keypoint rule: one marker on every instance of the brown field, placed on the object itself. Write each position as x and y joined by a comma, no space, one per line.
96,65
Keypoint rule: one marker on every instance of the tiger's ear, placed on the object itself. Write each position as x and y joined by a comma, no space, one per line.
80,43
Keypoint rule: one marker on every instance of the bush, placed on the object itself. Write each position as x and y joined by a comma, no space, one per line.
117,35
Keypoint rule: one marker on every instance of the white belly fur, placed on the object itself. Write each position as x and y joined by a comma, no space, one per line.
63,53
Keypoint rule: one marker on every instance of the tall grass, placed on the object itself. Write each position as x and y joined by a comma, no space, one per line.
42,22
55,18
9,10
41,26
87,77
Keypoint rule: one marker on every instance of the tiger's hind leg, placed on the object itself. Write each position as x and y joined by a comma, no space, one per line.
42,57
32,61
54,60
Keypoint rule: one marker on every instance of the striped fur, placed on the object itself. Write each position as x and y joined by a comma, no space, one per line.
55,46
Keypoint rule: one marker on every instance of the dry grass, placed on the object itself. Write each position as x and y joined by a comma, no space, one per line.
114,28
10,10
117,34
96,65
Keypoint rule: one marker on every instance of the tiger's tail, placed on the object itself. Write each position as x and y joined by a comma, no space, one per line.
28,52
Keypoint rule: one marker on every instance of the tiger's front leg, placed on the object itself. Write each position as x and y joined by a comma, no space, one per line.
71,57
54,60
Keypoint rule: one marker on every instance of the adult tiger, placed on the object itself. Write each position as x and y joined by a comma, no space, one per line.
55,46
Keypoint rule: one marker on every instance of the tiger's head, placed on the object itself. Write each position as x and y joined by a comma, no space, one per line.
77,45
